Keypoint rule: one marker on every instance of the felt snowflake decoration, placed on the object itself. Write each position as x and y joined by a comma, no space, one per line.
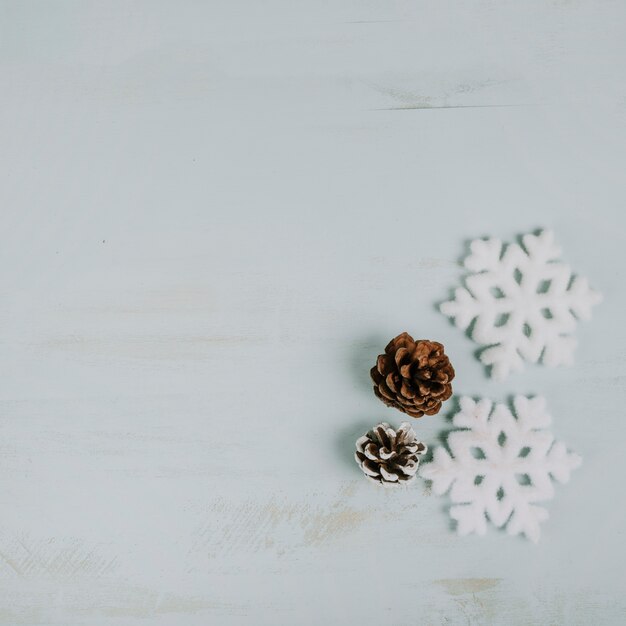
525,303
499,466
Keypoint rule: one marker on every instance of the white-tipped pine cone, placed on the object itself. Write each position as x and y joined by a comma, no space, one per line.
387,456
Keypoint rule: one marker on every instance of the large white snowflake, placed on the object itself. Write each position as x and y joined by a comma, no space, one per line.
525,303
499,465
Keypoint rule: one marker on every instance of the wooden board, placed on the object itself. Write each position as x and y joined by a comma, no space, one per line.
214,216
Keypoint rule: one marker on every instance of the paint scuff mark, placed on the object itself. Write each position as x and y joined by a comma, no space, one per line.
460,586
60,558
258,526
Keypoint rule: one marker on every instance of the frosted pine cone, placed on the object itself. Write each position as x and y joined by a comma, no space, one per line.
387,456
413,376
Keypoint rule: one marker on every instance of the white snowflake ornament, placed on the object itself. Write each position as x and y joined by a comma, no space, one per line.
525,302
499,466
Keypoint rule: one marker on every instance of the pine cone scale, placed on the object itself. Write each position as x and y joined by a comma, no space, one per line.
402,356
369,468
407,392
385,394
390,381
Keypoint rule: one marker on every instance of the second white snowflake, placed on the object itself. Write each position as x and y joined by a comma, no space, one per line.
499,465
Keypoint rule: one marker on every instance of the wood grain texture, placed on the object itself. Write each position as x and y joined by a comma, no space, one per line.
214,217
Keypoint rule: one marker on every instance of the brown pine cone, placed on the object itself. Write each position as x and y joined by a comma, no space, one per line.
413,376
387,456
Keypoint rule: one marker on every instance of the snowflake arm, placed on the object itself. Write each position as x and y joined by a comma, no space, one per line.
522,301
498,465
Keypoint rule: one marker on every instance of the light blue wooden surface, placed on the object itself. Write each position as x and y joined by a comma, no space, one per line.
214,216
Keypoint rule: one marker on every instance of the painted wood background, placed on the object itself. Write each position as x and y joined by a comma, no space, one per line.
214,216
